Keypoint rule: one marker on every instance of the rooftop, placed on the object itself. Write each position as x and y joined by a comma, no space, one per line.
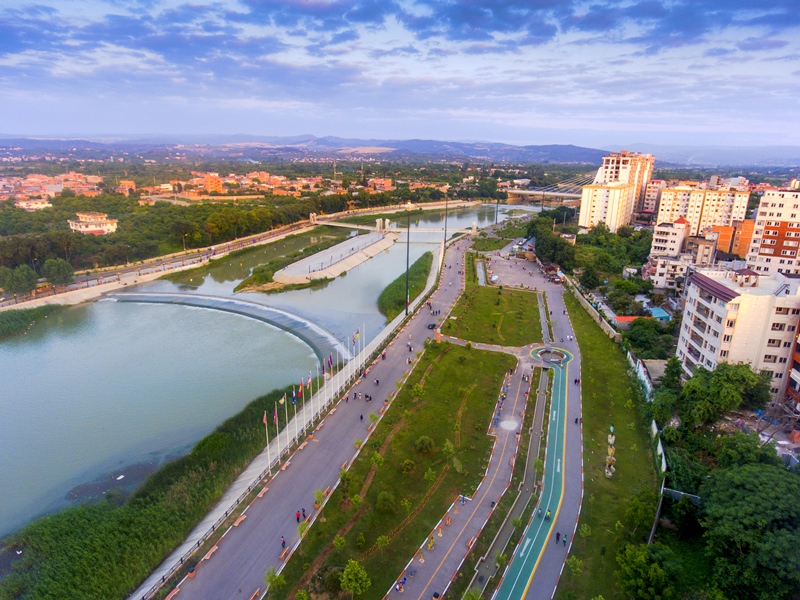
727,284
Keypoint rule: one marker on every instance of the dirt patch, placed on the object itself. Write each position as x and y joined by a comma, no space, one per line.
124,481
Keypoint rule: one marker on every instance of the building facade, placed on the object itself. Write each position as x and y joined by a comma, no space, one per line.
739,316
611,203
702,208
652,196
93,223
776,237
627,167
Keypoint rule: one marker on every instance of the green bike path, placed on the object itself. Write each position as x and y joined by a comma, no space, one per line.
540,531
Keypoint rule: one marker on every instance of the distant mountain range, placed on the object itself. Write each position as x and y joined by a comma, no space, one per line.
255,148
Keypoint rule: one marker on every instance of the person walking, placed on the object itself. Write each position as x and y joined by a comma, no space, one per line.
558,537
297,515
283,542
565,540
304,514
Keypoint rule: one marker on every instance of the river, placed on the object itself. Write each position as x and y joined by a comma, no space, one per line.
115,388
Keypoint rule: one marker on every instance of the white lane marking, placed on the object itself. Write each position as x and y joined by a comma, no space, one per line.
558,466
525,547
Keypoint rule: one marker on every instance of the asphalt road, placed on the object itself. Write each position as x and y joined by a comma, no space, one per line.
237,568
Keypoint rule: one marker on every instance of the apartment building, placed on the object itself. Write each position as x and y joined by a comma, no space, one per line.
674,253
702,208
610,203
740,316
212,182
776,236
736,238
627,167
652,196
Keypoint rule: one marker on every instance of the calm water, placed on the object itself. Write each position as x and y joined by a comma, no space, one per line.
105,385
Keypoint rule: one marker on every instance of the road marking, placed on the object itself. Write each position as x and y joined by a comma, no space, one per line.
525,547
558,466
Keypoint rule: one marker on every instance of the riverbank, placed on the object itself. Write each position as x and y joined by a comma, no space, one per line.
16,321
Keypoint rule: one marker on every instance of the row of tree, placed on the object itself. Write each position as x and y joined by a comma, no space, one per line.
23,279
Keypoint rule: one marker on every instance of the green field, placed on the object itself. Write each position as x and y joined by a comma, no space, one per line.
392,300
608,399
449,398
494,316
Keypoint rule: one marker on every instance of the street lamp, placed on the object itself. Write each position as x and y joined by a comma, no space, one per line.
445,222
184,241
408,249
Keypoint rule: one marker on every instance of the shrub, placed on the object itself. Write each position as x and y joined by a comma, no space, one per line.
424,444
386,503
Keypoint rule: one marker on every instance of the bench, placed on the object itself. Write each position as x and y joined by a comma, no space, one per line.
173,593
327,491
210,552
284,554
262,492
239,520
255,595
285,465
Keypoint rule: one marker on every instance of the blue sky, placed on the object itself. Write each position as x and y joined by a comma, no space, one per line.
597,73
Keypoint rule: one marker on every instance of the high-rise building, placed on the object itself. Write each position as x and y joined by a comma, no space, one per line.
739,316
702,208
610,203
652,196
618,189
735,239
776,236
212,182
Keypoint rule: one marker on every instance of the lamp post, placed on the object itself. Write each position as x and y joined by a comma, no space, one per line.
184,241
496,210
408,249
445,221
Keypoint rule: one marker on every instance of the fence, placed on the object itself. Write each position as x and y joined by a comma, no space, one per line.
604,325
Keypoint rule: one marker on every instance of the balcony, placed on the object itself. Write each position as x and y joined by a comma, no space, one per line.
693,352
703,311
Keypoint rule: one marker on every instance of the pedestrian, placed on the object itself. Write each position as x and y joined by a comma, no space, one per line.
558,537
362,417
565,540
297,515
283,542
304,514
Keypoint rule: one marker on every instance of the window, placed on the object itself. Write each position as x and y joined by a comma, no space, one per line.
732,322
726,338
778,327
778,375
773,390
723,354
796,311
781,310
770,358
773,343
782,360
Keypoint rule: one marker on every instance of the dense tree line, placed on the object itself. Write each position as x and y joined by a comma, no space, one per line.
608,253
550,247
143,231
748,517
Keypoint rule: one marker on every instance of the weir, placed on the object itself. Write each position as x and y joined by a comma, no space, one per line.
322,341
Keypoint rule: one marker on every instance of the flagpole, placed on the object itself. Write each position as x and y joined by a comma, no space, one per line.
269,455
286,422
295,422
277,431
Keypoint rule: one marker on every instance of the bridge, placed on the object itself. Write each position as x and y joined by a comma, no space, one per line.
399,229
568,189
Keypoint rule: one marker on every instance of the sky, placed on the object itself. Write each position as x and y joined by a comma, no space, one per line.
597,73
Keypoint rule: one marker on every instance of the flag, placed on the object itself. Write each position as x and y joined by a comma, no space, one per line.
354,340
275,415
265,417
323,367
357,334
301,388
294,400
330,361
308,385
282,400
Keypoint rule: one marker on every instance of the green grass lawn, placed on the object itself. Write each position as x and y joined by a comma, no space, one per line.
488,244
608,399
449,397
494,316
392,300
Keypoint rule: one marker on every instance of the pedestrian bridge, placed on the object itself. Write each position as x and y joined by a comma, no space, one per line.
398,229
322,341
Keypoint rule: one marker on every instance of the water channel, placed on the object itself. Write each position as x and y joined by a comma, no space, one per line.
115,388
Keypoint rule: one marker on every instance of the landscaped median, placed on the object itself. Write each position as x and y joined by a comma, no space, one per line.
609,397
493,315
392,300
429,447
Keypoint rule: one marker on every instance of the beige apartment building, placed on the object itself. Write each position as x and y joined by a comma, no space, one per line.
702,208
617,190
776,235
739,316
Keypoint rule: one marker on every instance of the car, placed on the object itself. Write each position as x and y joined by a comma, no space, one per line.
431,325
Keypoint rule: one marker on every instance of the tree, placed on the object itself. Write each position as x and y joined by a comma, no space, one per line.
473,594
338,543
5,273
640,513
382,542
58,271
709,395
752,521
424,444
648,339
739,449
354,578
590,279
385,503
648,572
377,460
301,595
21,280
274,580
673,372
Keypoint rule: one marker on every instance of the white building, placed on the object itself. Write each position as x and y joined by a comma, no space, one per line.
618,188
702,208
669,238
776,235
93,223
739,316
32,204
611,203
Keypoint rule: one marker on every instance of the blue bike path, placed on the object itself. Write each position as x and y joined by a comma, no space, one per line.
540,531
